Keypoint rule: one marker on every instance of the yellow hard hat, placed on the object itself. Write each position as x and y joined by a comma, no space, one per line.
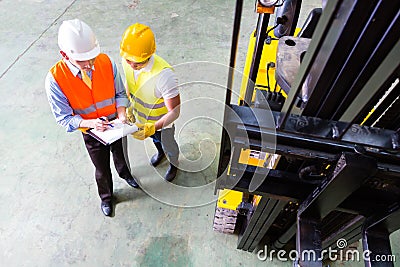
138,43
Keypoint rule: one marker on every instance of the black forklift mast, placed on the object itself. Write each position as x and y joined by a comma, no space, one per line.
337,134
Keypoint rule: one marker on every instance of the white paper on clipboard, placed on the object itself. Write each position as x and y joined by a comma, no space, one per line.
113,134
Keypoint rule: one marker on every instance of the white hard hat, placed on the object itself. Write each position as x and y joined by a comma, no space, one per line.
77,40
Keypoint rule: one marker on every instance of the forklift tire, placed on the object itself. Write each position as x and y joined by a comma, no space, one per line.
224,220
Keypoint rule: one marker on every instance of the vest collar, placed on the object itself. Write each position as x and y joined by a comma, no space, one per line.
146,68
74,69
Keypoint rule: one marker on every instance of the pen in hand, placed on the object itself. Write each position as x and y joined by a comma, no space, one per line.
108,124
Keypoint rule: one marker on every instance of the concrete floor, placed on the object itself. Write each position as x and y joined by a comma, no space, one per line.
50,214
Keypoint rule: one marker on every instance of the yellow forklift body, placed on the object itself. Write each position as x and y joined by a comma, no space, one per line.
268,55
229,199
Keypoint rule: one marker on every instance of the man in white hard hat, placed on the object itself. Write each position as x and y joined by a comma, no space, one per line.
85,90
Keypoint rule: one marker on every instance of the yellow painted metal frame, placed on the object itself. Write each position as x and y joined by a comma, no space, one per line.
229,199
252,157
268,55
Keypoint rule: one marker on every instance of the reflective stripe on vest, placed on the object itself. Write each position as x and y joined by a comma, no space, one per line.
92,108
88,103
146,106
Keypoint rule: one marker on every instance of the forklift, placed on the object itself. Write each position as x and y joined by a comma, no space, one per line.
310,154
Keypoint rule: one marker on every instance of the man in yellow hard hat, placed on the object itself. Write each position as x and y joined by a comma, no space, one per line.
153,88
84,89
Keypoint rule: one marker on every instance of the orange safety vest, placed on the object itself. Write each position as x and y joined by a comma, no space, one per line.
89,103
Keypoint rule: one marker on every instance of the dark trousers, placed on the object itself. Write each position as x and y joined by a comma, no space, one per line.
166,138
100,156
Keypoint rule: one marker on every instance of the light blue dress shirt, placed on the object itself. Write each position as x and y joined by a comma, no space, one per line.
59,103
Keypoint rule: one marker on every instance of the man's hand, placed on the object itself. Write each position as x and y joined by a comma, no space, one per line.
129,115
121,114
100,124
145,130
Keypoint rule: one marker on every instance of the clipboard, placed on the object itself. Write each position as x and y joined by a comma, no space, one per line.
111,135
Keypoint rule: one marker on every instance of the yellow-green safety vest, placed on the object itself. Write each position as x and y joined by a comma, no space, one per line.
146,106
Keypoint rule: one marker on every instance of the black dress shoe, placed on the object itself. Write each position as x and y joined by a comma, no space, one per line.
156,159
171,173
132,182
106,208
